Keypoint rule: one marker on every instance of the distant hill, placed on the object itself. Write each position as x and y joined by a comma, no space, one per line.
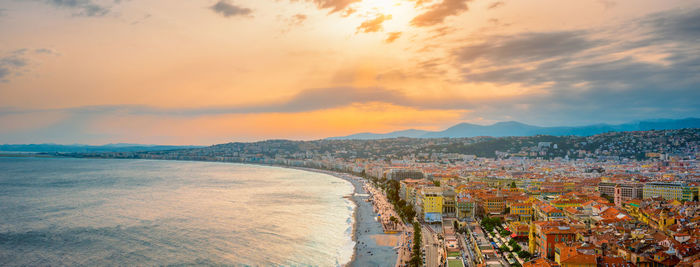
513,128
56,148
368,136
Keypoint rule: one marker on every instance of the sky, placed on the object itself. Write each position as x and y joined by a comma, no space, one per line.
201,72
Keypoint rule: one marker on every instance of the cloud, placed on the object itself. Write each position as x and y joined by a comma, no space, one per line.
12,64
326,98
595,74
307,100
45,51
555,107
675,25
83,8
296,20
333,5
421,2
347,12
292,22
500,50
496,4
226,9
17,62
392,36
373,25
4,72
437,13
319,99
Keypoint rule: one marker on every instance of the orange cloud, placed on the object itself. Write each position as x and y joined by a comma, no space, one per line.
437,13
334,5
392,36
373,25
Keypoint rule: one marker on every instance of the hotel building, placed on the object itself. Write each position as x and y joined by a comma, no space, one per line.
670,191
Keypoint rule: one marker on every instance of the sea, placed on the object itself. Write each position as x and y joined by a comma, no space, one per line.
97,212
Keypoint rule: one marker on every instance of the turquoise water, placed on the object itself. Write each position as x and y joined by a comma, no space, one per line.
142,212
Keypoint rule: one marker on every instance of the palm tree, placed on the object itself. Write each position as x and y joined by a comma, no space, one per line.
394,221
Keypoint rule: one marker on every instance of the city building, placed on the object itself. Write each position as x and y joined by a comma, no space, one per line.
522,209
407,189
402,174
449,208
546,212
492,204
466,206
671,190
629,190
545,235
430,204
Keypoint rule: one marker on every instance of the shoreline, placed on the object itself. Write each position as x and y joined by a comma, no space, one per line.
363,217
365,227
355,222
352,197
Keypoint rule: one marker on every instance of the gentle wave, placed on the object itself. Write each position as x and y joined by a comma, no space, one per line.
142,212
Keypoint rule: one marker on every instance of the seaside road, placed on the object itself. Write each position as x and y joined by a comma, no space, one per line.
431,251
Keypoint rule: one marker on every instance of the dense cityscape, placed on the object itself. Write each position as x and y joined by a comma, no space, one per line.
613,199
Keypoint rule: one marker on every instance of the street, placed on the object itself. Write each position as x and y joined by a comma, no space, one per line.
431,244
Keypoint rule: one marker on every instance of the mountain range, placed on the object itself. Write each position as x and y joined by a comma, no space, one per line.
513,128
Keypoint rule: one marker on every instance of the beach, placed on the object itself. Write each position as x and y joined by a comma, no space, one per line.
372,246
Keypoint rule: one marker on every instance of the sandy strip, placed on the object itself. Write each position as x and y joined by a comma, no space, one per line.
386,240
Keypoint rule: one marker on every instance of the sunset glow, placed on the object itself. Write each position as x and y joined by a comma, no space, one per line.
211,71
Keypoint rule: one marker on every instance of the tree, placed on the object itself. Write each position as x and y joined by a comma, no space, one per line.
504,248
504,233
516,248
512,242
402,202
408,213
416,259
491,221
436,182
525,255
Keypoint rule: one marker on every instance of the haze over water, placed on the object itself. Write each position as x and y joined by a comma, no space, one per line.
127,212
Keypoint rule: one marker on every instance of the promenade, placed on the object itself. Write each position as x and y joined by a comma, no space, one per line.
385,210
